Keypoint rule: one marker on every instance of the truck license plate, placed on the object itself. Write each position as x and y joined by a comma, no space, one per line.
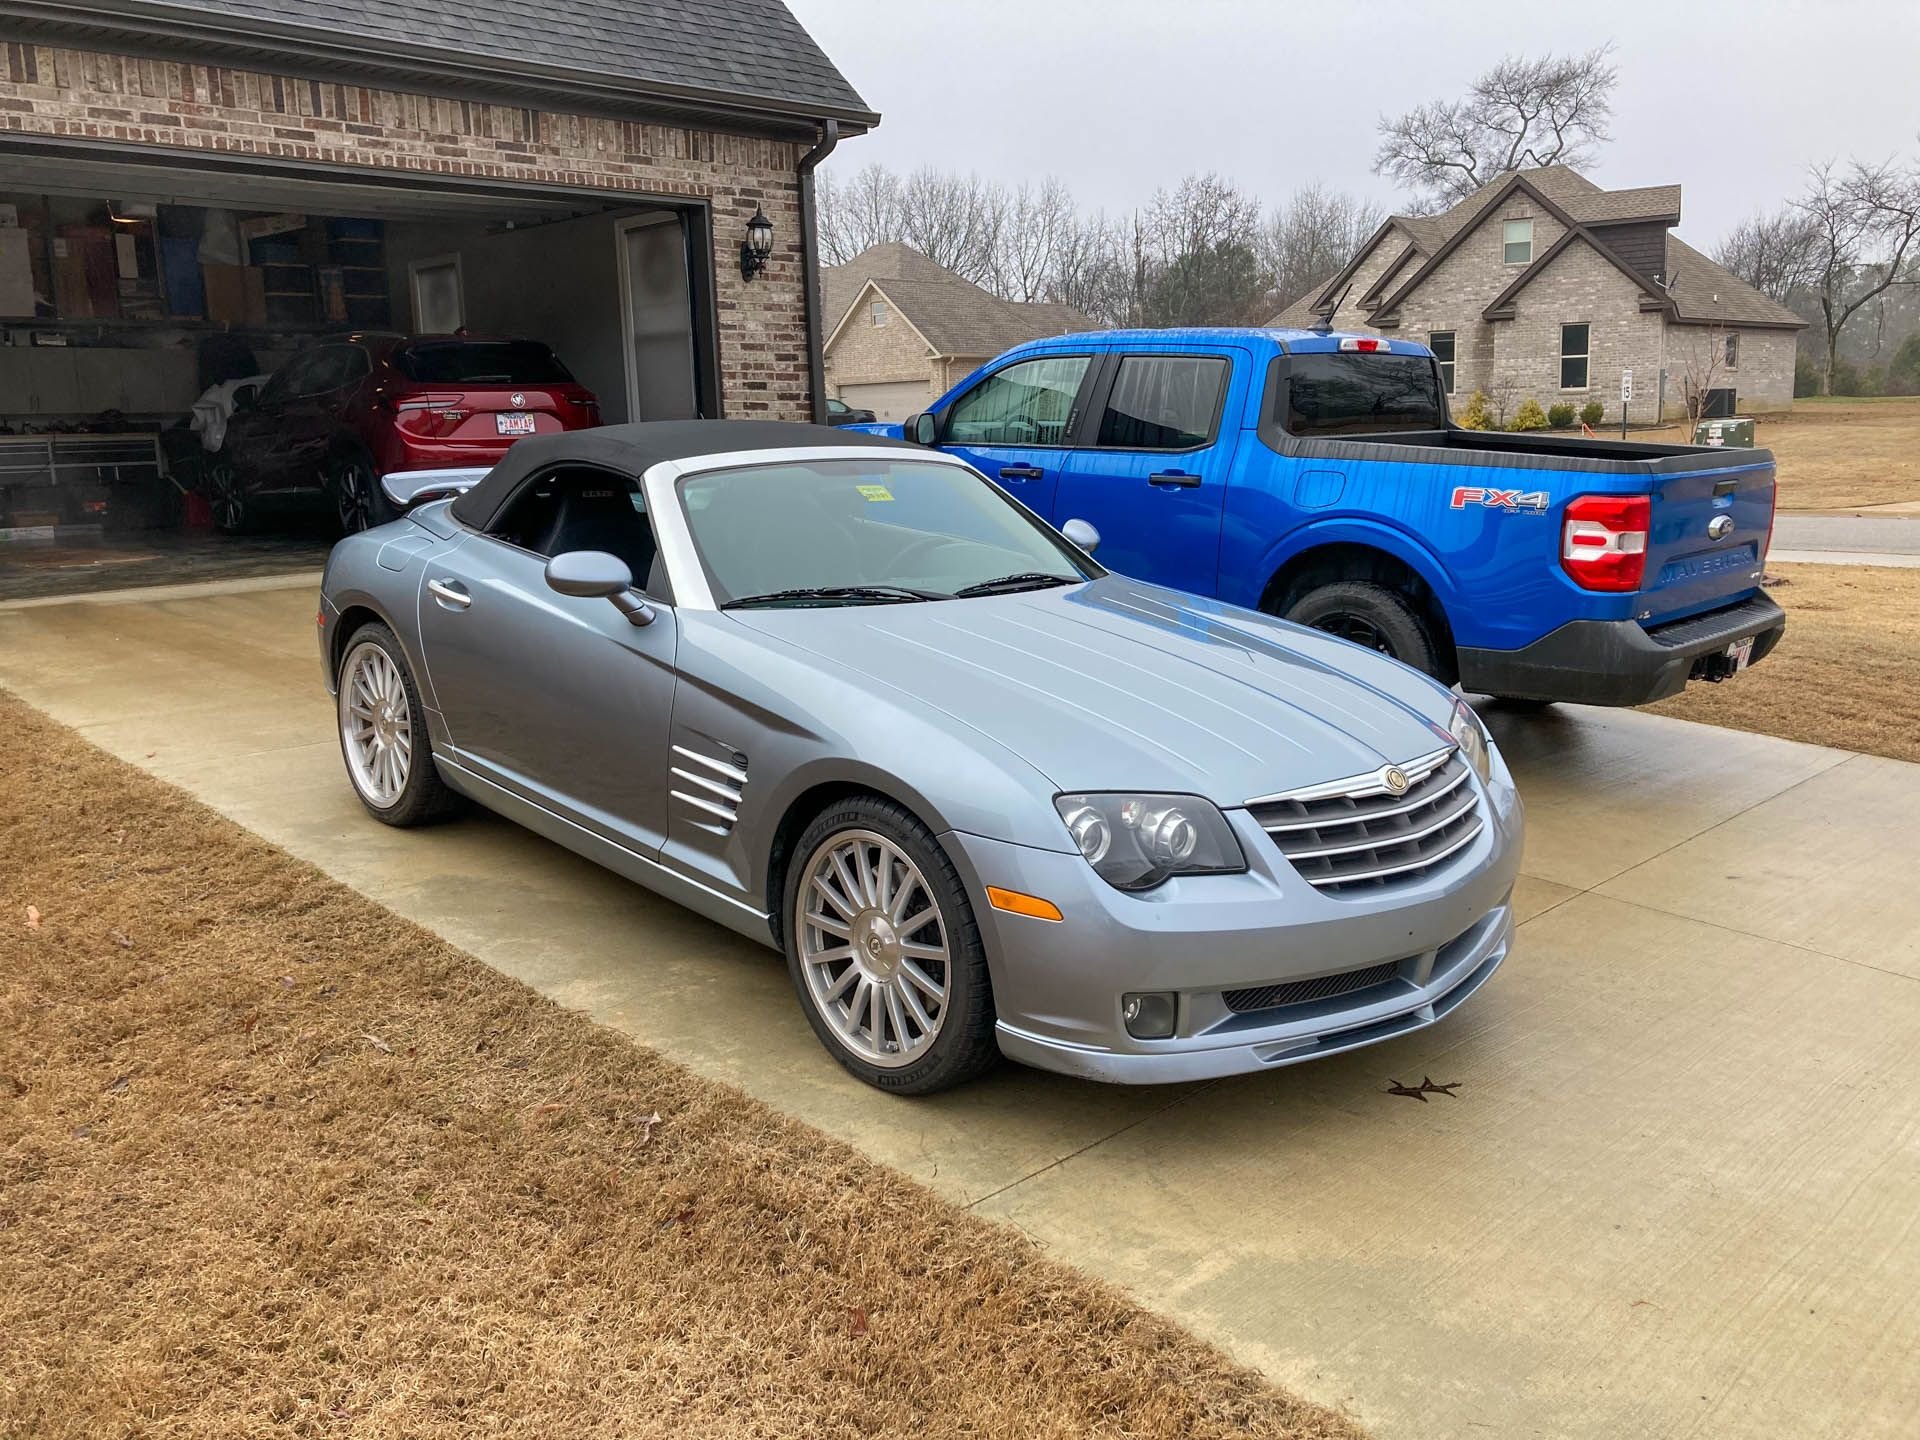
514,422
1741,653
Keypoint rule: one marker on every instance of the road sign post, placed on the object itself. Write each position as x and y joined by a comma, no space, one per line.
1626,398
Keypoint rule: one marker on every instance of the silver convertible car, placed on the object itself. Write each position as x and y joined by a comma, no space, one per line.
849,698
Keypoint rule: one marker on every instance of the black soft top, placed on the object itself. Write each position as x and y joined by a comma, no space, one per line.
633,449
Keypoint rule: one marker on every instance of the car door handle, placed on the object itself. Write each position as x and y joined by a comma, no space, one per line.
1021,472
1173,477
451,594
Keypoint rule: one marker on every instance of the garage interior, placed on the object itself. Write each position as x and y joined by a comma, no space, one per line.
130,283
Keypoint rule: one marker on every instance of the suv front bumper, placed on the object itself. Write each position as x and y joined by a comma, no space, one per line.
1619,662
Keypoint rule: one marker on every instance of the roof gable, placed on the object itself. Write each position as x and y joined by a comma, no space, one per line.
953,315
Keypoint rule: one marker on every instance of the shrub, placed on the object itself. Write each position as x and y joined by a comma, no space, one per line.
1529,416
1903,371
1592,413
1806,376
1478,415
1560,416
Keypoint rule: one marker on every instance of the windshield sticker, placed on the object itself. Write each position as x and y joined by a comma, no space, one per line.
876,492
1533,502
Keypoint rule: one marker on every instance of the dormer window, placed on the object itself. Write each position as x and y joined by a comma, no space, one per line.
1516,241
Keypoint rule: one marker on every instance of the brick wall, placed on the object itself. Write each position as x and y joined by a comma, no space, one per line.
89,95
1582,287
864,353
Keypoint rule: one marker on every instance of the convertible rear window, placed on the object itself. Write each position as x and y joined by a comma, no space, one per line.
480,362
1360,395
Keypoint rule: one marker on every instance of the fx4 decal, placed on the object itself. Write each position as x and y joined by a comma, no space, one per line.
1531,502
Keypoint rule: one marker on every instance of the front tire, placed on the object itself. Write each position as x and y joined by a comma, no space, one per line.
1369,615
227,498
383,732
884,952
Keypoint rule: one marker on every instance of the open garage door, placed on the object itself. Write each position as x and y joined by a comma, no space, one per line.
892,400
135,282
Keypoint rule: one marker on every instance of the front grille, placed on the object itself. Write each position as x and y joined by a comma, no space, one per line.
1301,992
1358,834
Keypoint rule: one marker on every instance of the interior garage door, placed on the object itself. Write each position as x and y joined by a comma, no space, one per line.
892,400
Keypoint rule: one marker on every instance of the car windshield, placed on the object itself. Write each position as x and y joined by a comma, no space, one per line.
480,362
864,531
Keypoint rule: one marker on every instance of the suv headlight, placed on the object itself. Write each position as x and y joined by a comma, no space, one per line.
1472,738
1134,842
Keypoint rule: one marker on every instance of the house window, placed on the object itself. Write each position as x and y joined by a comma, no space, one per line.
1573,357
877,312
1441,343
1733,352
1516,239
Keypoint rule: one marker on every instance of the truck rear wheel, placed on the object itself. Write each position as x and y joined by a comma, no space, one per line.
1369,615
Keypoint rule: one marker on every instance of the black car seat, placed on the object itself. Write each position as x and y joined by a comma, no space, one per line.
593,515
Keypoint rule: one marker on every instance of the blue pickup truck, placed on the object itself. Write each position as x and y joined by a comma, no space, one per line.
1317,476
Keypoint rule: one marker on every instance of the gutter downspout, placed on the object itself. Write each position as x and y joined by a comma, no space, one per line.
810,263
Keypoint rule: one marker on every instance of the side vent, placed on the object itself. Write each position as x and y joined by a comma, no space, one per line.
708,787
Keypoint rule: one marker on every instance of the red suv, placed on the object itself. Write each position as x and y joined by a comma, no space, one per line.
349,409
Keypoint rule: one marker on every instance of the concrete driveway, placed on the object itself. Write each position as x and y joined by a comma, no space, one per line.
1677,1193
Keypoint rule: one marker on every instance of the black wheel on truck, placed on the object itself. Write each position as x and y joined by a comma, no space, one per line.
1369,615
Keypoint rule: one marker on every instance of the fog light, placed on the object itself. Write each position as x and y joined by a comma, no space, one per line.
1149,1016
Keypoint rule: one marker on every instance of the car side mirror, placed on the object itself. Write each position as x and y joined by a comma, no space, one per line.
596,575
246,397
922,429
1082,534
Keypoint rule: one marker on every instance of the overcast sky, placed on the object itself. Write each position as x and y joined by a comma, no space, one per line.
1117,97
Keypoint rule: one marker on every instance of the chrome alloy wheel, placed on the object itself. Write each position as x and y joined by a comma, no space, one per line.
376,724
873,945
353,486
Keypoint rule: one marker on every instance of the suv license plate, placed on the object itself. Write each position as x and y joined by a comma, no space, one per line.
518,422
1741,653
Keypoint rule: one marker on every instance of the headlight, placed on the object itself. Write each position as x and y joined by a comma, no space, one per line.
1134,842
1471,736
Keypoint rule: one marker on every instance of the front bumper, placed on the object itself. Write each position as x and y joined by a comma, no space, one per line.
1058,986
1619,662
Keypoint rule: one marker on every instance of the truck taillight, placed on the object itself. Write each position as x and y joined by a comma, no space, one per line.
1773,510
1603,542
1362,344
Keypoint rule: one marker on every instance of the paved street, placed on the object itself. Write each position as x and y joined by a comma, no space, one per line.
1677,1192
1847,540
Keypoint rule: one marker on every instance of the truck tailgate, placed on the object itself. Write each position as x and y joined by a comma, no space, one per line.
1707,537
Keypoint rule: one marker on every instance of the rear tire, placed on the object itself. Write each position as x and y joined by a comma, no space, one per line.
383,732
890,896
1369,615
358,501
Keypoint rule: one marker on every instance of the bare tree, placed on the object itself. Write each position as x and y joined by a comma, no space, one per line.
1867,225
1523,112
953,220
1697,361
1310,237
856,213
1038,226
1776,253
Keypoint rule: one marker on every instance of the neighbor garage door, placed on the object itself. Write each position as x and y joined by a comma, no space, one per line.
893,400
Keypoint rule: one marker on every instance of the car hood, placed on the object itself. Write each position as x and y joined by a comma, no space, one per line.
1115,685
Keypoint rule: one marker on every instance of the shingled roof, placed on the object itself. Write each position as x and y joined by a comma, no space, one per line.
1700,291
746,56
954,315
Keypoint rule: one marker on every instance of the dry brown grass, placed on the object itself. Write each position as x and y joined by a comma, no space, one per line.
275,1162
1839,454
1846,673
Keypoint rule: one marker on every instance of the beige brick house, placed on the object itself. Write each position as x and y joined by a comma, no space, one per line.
902,329
1543,285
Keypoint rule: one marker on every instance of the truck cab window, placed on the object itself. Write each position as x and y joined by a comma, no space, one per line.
1373,394
1163,402
1025,404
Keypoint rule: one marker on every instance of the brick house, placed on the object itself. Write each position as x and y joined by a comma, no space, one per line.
273,170
902,330
1540,284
